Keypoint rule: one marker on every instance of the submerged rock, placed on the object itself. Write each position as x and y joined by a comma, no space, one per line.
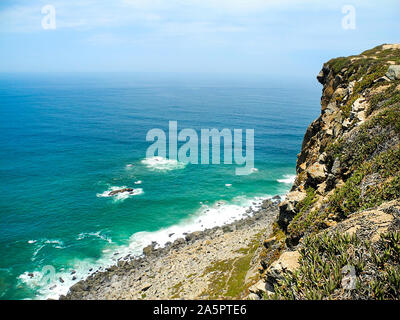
113,193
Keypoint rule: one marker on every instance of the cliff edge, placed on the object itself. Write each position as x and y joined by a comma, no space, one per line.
337,234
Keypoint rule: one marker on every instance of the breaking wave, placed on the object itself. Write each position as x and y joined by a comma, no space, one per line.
163,164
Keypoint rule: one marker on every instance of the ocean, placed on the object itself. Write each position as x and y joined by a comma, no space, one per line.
69,139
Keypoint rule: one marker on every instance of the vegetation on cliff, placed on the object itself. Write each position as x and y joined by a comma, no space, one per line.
323,258
348,169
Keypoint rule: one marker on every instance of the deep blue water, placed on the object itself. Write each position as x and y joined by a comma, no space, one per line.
66,139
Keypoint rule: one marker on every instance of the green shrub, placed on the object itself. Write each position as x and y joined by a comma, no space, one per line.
323,256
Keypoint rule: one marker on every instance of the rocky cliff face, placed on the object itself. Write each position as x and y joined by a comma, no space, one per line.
348,167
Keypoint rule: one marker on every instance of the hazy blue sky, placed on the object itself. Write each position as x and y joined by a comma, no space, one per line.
237,36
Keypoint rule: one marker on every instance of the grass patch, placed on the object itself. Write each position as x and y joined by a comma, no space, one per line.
176,290
227,280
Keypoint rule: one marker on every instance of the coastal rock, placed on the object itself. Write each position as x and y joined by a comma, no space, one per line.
370,224
178,243
349,277
227,229
316,174
268,243
148,250
288,262
287,208
393,72
193,236
261,288
115,192
323,74
253,296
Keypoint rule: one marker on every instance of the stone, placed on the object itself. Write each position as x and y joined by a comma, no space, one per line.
346,123
113,193
253,296
288,262
227,229
336,167
193,236
269,242
323,74
148,250
349,278
382,79
391,46
358,105
146,287
317,171
393,72
316,174
261,288
287,208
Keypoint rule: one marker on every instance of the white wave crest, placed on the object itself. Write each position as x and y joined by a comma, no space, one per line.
163,164
98,234
207,216
288,179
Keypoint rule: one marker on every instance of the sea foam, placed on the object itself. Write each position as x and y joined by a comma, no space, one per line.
163,164
206,217
288,179
120,196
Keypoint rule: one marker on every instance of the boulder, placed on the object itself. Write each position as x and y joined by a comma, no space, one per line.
193,236
316,174
393,72
288,262
323,74
253,296
349,278
261,288
113,193
287,208
148,250
227,229
269,242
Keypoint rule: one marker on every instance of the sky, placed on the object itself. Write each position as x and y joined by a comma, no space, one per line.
267,37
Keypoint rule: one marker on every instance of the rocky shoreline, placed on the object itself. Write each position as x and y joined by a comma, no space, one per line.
189,268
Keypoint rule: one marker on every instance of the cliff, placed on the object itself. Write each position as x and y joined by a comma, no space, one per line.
337,234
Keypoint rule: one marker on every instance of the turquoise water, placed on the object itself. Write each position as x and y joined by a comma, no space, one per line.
69,138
